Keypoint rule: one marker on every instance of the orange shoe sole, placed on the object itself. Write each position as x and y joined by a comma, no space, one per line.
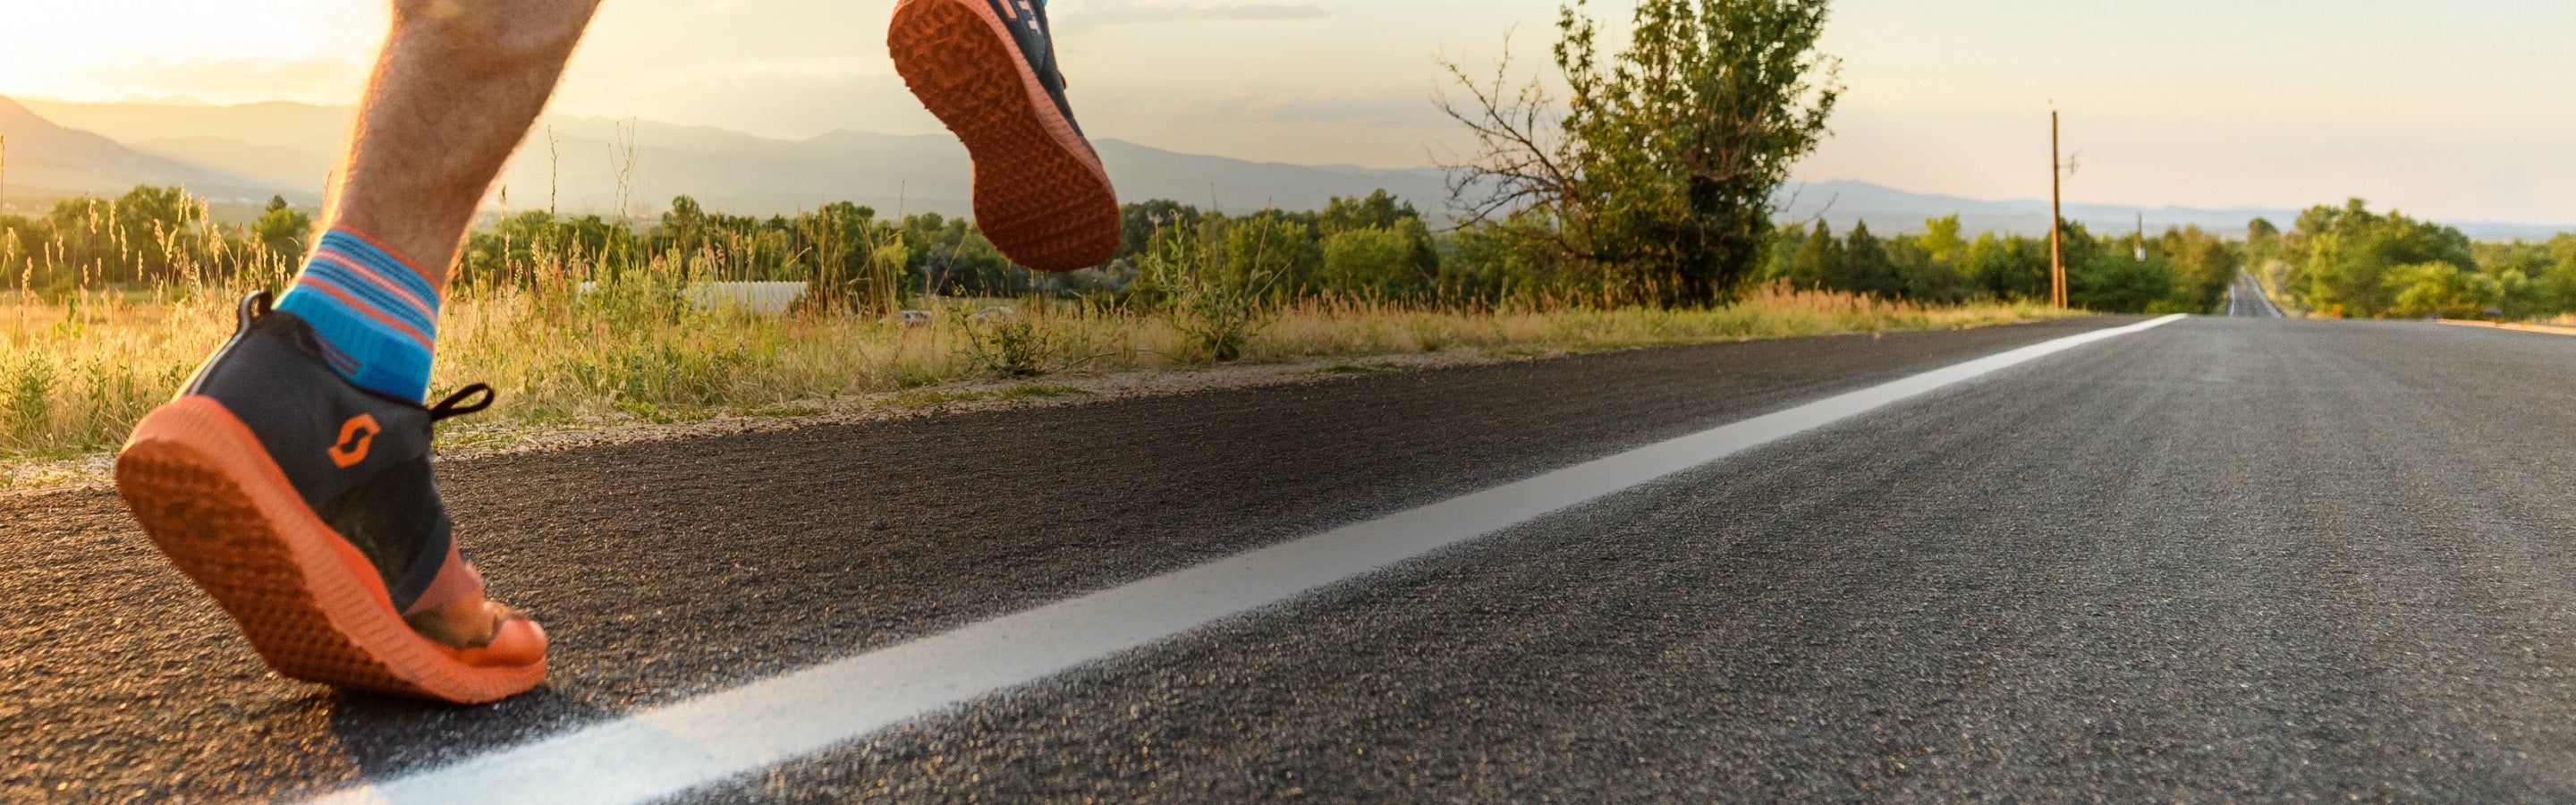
1041,195
312,606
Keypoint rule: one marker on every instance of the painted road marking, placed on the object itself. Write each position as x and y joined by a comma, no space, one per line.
672,749
2547,329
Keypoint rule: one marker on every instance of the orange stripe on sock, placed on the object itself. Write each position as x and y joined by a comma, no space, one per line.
361,306
376,279
407,262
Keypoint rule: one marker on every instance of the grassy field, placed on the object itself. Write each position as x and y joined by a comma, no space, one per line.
75,375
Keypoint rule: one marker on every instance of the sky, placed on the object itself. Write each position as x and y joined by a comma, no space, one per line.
2456,111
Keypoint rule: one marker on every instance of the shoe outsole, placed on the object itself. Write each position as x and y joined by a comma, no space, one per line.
213,501
1041,195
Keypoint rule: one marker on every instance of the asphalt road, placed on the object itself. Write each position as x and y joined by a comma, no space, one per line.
2246,299
2225,559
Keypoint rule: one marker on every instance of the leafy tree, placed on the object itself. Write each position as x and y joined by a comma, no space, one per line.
838,245
146,235
1141,220
281,228
1940,240
1866,267
1659,174
2203,264
1782,254
2439,289
1380,210
1503,259
949,256
2557,280
1929,266
1415,257
1819,262
2262,242
2119,283
141,236
1272,250
2346,256
2007,268
1377,261
2530,279
2079,245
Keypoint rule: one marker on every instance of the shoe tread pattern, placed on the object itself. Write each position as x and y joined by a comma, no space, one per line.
197,492
1041,196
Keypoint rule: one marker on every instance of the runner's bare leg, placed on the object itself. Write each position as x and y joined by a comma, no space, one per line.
457,88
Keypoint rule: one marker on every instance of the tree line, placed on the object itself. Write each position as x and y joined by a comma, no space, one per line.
2183,270
2343,260
147,236
2351,261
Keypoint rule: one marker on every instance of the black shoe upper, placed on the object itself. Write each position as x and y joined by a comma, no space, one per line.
360,459
1036,38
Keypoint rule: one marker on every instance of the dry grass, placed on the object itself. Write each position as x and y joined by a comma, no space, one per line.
76,375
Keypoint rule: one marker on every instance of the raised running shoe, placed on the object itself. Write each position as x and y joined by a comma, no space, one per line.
306,507
987,69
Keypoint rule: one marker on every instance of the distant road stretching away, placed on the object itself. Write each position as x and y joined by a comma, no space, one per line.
2220,558
2246,299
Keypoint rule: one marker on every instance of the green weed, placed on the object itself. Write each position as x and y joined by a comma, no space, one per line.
1363,368
1040,392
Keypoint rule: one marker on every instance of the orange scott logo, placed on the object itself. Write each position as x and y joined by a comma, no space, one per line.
356,435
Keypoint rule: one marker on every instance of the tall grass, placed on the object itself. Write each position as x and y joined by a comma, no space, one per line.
613,336
76,375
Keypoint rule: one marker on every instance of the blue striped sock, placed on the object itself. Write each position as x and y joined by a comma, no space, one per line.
375,315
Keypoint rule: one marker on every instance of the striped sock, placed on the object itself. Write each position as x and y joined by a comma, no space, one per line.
375,315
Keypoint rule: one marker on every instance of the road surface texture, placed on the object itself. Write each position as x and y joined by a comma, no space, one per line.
2221,560
2246,299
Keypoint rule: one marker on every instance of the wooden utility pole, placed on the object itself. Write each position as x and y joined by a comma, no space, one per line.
2056,218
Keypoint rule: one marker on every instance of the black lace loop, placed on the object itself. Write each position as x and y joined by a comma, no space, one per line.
468,400
253,306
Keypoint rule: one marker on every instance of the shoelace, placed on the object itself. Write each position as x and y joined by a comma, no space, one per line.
468,400
471,399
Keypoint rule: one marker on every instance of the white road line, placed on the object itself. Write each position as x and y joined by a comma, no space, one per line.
672,749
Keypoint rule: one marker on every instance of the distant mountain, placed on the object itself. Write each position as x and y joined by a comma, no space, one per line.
293,172
582,164
1235,185
293,125
587,165
1844,203
912,173
48,161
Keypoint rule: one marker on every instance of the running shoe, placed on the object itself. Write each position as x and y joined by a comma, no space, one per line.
987,69
306,507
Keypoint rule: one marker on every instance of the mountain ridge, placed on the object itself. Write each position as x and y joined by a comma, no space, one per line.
48,159
583,164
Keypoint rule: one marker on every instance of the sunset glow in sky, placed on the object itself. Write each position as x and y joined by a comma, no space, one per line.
2457,110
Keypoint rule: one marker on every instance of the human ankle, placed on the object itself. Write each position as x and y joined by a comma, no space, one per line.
375,315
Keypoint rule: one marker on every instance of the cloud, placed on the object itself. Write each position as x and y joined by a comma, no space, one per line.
1131,12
